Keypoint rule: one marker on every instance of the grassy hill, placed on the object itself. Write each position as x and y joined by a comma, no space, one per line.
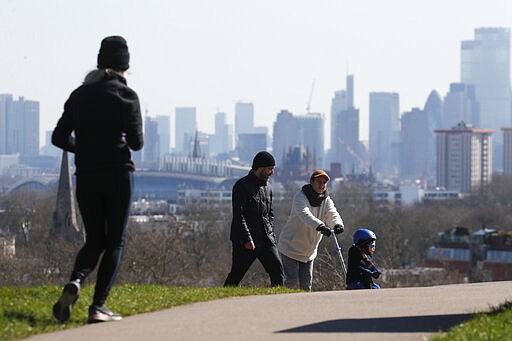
26,311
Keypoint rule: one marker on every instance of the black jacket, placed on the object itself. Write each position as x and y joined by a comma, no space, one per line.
253,217
361,267
100,123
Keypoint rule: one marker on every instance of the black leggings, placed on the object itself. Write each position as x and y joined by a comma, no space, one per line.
104,200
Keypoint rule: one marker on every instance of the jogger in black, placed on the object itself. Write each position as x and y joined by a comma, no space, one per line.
101,123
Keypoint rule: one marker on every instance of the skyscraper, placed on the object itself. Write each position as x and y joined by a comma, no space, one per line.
244,118
460,104
222,140
285,128
507,151
414,139
249,144
434,111
151,140
384,132
311,133
164,133
19,126
345,145
5,101
485,64
185,129
464,157
418,140
301,130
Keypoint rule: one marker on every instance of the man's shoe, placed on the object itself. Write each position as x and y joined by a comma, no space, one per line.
62,309
102,314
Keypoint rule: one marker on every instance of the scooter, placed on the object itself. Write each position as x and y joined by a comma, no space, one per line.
338,248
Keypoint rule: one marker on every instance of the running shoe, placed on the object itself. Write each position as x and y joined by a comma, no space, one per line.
62,309
102,314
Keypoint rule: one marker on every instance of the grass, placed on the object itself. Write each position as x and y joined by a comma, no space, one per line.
26,311
493,325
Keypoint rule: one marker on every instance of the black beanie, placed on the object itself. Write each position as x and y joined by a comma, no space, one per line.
114,54
263,159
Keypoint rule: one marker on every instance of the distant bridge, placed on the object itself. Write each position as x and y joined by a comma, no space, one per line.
165,185
184,176
33,184
178,173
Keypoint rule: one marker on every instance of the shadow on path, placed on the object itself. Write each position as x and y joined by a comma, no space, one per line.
403,324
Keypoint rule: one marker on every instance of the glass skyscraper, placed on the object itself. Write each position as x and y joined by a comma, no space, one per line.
384,132
485,64
19,126
185,129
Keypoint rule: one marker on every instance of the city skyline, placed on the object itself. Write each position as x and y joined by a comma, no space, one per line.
277,55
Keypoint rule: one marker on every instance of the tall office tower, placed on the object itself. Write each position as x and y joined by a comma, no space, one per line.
339,103
311,136
434,111
19,126
151,140
5,104
350,91
298,164
215,139
250,144
201,142
164,133
384,132
418,141
185,129
464,157
460,104
414,146
244,118
285,129
222,140
485,63
304,130
507,151
345,145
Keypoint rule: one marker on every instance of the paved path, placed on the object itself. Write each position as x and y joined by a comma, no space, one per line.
386,314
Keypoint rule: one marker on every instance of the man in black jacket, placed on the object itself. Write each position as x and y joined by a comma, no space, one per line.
252,227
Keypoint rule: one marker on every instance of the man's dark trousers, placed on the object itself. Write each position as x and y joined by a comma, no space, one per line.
243,259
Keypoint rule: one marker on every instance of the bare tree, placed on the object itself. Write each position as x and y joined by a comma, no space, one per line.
194,249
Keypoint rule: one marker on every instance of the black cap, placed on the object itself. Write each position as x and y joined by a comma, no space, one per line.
114,54
263,159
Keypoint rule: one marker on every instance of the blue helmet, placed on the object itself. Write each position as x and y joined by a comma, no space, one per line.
362,236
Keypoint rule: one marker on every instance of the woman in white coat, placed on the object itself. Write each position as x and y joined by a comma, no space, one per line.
312,215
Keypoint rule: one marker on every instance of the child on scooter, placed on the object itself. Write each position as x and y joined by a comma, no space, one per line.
361,267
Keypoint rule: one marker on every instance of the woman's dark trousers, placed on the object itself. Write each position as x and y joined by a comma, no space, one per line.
104,200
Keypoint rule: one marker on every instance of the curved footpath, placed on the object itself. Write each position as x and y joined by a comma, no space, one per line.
386,314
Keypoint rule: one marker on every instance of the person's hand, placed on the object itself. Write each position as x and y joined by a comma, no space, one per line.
338,229
376,273
324,230
250,245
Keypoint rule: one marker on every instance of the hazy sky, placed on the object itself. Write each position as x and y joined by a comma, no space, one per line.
212,53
